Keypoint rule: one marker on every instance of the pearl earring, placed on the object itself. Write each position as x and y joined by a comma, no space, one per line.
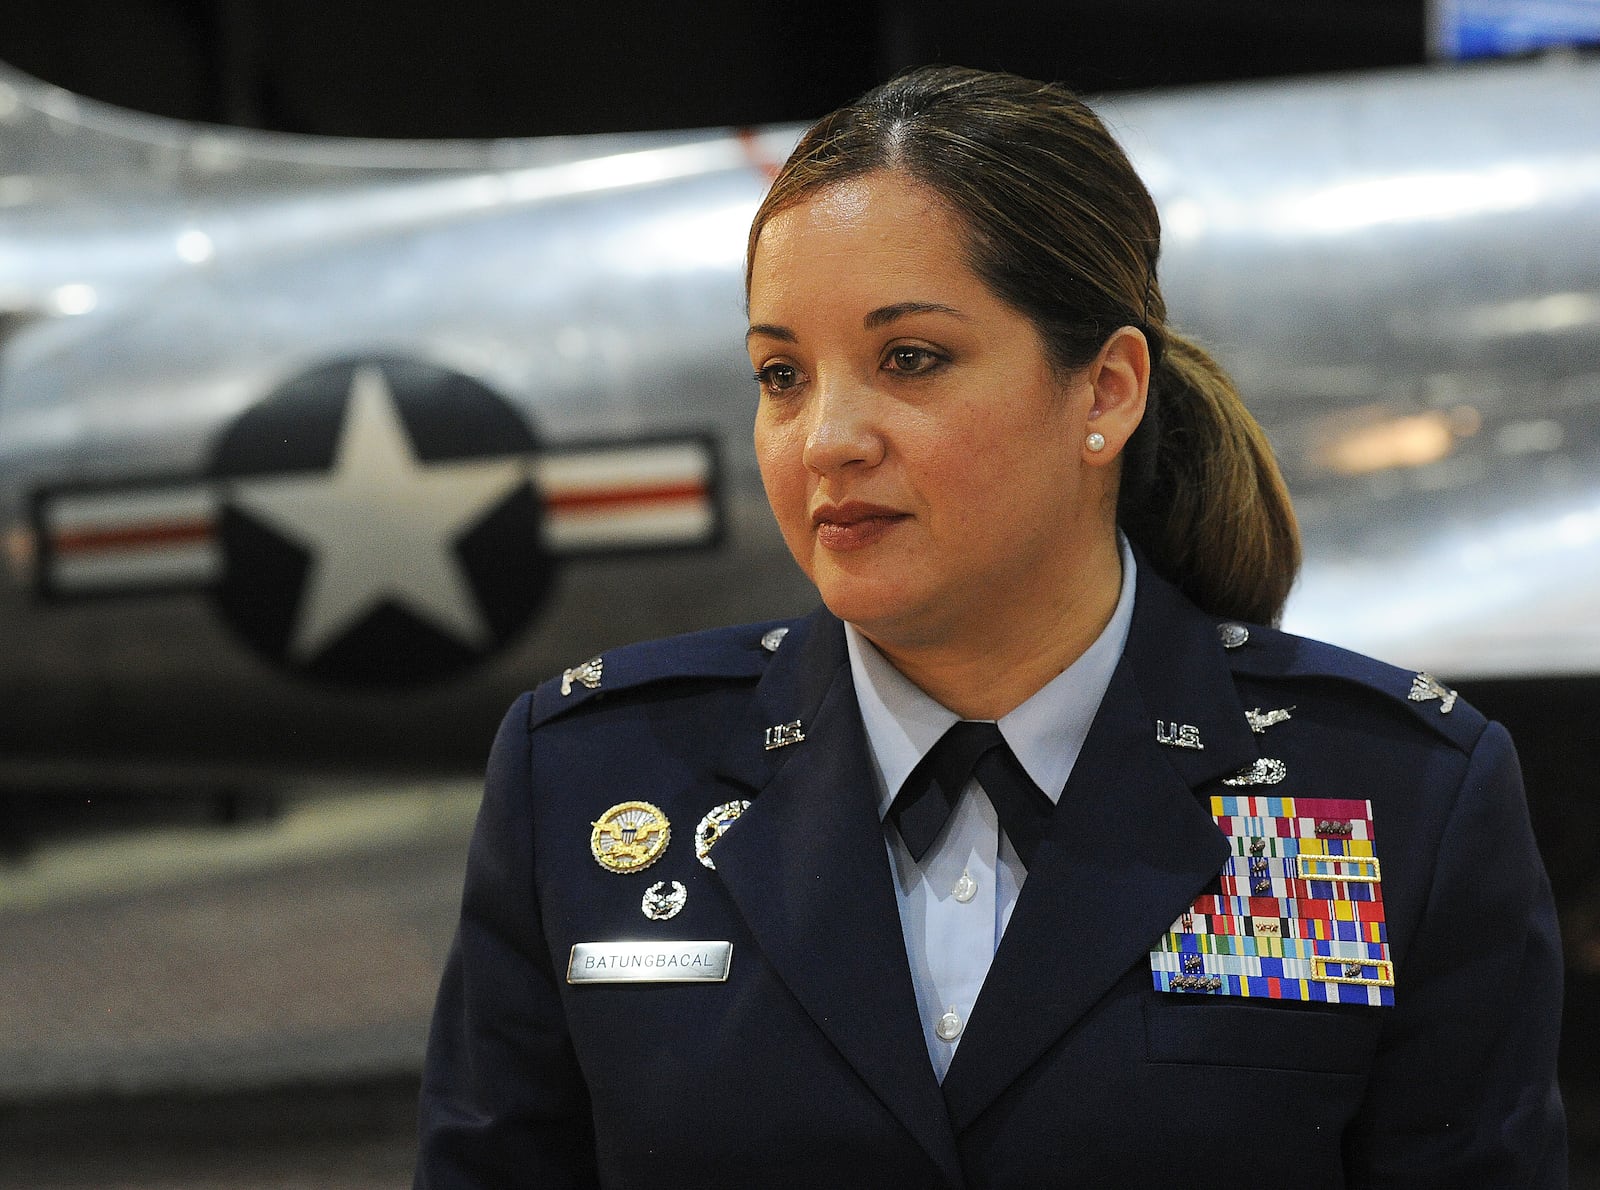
1096,442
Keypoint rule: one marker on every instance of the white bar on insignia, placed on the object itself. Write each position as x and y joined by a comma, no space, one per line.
624,467
667,961
616,528
132,509
147,566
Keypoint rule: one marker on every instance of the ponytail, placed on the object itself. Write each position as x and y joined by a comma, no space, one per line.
1202,495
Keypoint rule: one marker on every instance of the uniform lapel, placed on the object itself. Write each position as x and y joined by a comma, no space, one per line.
807,869
1129,847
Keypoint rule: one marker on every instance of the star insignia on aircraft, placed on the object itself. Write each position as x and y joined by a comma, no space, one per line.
381,524
378,521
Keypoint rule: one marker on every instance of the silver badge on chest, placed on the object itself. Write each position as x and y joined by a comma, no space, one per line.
713,826
1265,771
663,901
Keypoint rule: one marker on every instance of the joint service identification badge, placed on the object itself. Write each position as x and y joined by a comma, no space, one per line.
629,837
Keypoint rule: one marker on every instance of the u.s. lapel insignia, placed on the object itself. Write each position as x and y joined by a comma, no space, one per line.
1261,720
1425,688
661,901
629,837
587,675
781,735
1300,911
1178,735
1265,771
713,826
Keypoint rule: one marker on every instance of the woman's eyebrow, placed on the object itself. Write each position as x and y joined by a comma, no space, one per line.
887,314
882,316
781,333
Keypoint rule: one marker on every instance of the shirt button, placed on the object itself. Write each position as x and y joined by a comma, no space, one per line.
948,1026
966,888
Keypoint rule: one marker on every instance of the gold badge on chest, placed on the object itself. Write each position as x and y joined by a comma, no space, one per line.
629,837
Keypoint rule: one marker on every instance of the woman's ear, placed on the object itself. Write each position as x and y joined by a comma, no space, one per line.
1120,378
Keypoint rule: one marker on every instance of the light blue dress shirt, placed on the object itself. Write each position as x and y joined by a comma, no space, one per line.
955,904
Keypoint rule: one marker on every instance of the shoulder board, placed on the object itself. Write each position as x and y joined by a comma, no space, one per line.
739,652
1268,653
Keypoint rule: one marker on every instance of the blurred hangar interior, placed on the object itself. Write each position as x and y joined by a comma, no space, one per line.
468,255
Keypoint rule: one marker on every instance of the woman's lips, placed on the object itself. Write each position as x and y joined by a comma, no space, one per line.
848,527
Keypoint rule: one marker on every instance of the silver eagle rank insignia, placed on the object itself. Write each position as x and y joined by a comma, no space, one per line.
586,675
1425,688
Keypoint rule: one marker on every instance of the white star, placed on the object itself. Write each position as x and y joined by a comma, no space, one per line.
381,525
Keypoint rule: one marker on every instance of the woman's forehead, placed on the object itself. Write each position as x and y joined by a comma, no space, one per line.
871,236
878,201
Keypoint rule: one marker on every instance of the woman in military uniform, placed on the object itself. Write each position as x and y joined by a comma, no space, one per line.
1034,857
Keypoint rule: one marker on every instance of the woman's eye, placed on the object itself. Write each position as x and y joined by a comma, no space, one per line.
911,360
777,377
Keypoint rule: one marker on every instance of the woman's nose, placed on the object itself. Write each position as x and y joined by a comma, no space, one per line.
844,430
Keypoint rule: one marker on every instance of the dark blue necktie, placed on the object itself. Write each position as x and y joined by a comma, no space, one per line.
922,807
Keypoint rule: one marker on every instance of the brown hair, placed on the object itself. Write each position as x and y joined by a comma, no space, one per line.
1061,228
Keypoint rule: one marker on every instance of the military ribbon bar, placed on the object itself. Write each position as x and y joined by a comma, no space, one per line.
1299,913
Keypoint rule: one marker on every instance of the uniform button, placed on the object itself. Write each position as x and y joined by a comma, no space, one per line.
1232,635
948,1027
966,888
772,638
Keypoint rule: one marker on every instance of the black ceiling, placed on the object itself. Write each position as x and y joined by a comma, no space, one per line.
495,68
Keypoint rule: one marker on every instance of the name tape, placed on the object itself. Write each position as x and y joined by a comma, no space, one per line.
650,962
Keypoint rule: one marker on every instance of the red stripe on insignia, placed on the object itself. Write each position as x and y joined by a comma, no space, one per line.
605,498
132,537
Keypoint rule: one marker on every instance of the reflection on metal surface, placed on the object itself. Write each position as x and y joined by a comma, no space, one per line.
1536,316
75,299
1552,314
1413,198
1508,595
1411,441
195,247
1411,303
1540,436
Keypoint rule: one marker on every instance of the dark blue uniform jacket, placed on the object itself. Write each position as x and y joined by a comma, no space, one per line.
808,1066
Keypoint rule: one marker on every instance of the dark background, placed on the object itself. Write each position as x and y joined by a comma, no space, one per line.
474,68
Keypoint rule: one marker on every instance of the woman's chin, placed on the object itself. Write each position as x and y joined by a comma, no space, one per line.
876,607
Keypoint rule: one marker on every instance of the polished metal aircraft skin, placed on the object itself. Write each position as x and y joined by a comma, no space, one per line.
314,452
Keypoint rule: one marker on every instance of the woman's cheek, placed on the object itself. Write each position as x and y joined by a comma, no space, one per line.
783,475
